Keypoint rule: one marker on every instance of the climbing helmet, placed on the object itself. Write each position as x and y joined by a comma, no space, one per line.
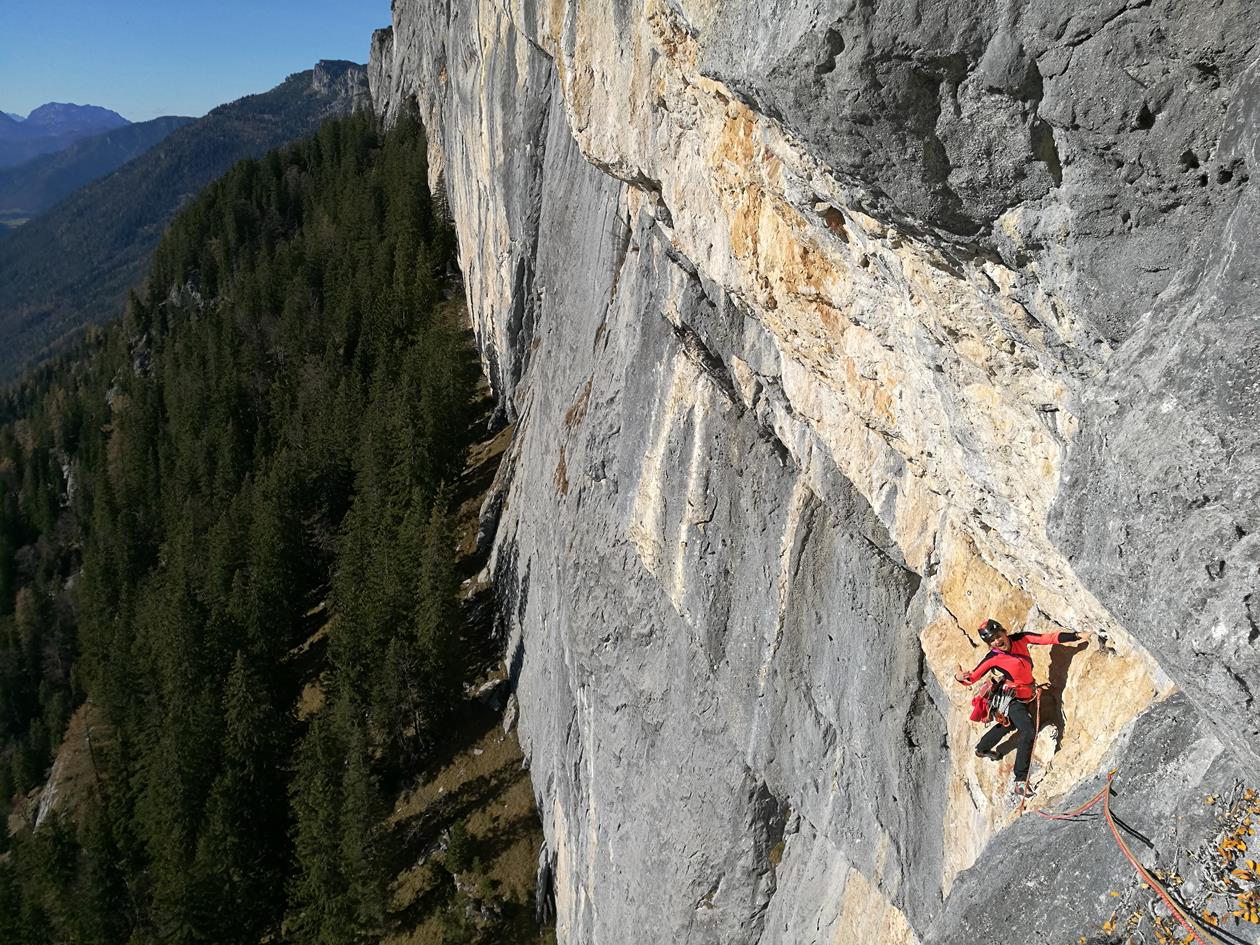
990,630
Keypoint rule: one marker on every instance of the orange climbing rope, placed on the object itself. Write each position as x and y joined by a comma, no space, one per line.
1105,796
1141,870
1073,814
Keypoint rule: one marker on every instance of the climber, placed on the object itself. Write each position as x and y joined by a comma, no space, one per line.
1008,656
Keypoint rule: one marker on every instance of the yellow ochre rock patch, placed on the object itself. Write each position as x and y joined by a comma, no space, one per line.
866,915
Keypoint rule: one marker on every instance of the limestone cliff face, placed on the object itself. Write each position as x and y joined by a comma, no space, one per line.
828,330
343,82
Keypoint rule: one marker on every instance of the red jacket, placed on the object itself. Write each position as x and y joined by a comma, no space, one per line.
1016,667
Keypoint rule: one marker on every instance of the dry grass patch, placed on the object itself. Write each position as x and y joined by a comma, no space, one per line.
484,788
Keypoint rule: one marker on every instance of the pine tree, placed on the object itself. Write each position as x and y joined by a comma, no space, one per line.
396,704
316,903
437,617
270,604
361,813
10,904
233,458
102,910
242,849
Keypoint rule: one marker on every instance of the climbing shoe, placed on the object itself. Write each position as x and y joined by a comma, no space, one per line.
1023,789
990,754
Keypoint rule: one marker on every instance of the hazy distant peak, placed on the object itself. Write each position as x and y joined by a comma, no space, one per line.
61,117
74,262
29,188
52,127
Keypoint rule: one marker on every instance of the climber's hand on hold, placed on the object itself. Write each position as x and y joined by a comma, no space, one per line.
960,676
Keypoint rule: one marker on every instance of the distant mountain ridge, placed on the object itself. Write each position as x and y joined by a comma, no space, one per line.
52,127
31,188
63,117
72,266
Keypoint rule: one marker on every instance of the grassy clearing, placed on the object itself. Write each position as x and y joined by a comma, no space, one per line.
487,890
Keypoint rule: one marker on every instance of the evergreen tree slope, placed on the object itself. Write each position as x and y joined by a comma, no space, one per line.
270,427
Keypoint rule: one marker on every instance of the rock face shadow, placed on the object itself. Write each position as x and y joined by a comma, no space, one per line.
1054,695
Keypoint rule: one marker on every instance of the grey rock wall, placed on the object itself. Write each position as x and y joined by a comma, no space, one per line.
687,709
828,330
1160,502
1106,116
1069,877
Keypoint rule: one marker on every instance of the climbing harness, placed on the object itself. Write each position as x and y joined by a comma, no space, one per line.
991,704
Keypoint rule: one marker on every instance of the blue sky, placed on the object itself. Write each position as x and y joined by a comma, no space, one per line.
145,58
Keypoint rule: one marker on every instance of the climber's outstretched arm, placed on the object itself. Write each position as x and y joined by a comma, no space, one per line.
1060,636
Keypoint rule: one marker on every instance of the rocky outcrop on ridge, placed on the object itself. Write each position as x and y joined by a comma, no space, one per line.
829,330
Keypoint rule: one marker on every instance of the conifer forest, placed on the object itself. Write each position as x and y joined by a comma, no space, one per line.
226,552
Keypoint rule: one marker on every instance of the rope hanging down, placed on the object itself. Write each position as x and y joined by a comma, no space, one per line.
1190,924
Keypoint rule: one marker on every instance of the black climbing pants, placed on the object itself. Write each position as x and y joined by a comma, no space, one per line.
1021,718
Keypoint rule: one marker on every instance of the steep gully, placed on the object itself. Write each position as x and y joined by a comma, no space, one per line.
811,369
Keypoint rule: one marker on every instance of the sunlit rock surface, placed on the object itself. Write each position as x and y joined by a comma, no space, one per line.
828,331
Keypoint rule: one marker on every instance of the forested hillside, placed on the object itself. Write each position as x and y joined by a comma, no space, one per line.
73,265
31,188
234,502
